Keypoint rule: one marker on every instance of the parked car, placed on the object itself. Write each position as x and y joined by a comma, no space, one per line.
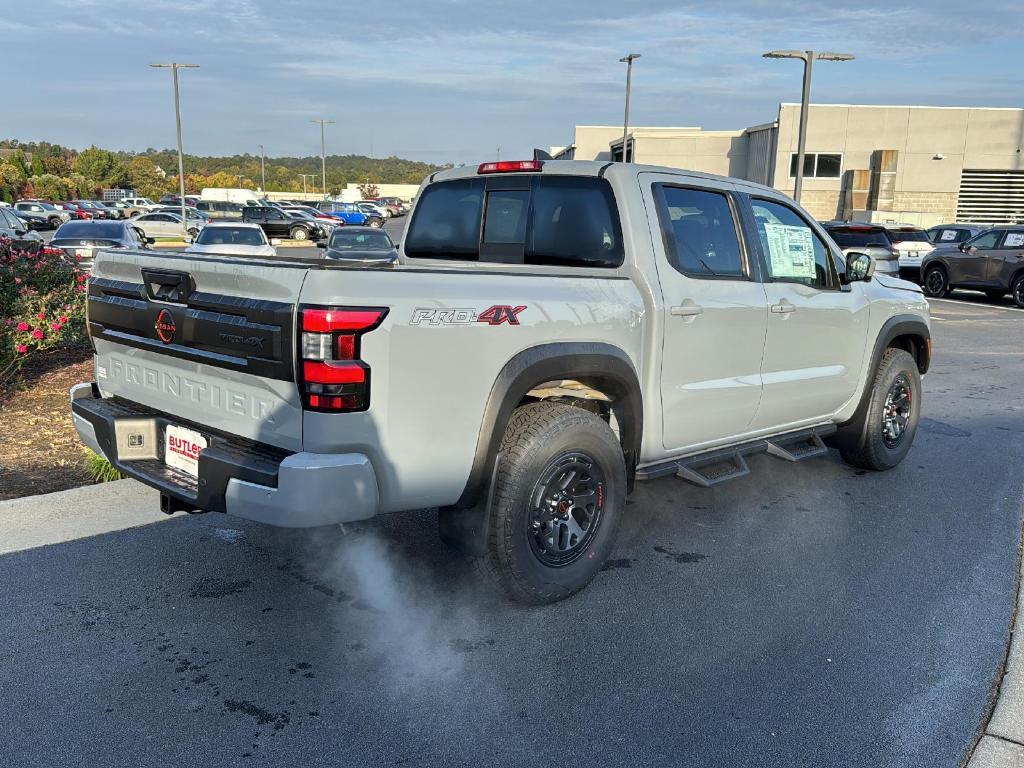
233,238
317,214
992,261
35,221
349,213
220,209
164,224
322,394
18,232
366,245
192,214
96,209
80,240
326,225
276,223
139,203
872,239
913,245
374,208
117,209
945,234
393,204
55,216
76,211
175,200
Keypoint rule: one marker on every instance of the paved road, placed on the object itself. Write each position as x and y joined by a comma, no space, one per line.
809,614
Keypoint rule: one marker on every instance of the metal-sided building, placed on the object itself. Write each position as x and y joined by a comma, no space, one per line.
922,165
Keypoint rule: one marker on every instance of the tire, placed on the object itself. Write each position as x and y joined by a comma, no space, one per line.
535,562
193,232
936,282
55,222
1018,291
375,222
299,233
879,449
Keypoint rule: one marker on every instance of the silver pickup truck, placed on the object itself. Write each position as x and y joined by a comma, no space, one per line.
550,333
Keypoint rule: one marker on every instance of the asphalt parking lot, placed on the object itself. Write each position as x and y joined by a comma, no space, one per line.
808,614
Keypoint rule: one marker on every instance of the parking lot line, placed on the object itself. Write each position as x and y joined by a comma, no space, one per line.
975,304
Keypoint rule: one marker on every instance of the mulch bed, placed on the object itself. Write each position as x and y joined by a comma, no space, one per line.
39,448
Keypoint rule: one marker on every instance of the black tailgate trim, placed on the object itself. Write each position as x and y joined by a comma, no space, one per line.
234,332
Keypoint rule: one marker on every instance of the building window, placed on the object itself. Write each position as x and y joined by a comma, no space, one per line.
817,165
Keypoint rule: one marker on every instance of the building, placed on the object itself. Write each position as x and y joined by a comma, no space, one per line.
920,165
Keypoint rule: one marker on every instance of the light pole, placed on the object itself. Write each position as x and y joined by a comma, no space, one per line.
323,153
263,173
304,177
239,176
629,81
808,58
174,67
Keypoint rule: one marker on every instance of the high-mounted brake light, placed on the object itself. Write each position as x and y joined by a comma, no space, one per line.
510,166
333,378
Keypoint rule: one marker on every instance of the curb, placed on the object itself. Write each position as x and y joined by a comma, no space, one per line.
1000,739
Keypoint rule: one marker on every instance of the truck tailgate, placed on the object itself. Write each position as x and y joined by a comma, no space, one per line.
210,338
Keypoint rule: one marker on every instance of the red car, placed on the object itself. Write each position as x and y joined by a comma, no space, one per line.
76,210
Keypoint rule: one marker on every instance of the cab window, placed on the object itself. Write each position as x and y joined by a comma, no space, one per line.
699,232
793,252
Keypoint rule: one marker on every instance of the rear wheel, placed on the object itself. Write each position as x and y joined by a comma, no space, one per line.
559,493
299,233
888,424
936,282
375,222
1018,291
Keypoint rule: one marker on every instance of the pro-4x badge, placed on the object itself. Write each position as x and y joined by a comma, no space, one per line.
499,314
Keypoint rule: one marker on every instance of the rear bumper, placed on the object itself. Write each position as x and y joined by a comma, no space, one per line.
240,477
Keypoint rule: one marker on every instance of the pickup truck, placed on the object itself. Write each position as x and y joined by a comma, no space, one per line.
549,333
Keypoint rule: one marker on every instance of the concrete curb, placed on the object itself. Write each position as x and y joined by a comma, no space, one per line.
1001,741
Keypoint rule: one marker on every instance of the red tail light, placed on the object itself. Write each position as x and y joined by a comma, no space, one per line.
334,379
510,166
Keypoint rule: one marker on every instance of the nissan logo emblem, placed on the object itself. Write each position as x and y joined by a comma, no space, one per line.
165,326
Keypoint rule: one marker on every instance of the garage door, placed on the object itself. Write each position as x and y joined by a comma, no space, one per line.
991,197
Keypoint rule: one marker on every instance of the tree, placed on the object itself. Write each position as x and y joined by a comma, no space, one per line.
37,165
369,191
144,179
95,164
12,181
50,187
58,165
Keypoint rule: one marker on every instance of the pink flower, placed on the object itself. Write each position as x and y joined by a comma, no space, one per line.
37,334
17,281
81,278
56,326
63,319
22,349
8,322
22,326
41,315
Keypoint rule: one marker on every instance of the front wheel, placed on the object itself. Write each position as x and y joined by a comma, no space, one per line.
299,233
888,425
936,282
55,222
559,493
1017,291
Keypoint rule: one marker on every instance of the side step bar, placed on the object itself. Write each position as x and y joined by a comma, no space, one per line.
714,467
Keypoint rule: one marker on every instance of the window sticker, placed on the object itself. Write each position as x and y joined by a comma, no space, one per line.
947,234
790,250
1014,240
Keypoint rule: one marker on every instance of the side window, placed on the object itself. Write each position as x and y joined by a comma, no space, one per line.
1013,241
792,250
986,240
699,232
575,223
446,223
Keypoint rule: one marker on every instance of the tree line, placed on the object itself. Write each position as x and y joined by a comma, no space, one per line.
53,172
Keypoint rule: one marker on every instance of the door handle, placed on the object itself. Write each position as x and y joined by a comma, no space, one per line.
687,310
783,307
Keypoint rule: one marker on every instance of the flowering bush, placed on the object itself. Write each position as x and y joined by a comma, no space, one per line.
42,304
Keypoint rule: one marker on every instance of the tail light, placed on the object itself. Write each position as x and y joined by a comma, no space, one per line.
332,377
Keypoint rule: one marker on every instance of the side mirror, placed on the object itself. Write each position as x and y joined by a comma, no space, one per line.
859,267
967,248
275,241
151,240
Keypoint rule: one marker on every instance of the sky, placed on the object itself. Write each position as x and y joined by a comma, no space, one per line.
455,80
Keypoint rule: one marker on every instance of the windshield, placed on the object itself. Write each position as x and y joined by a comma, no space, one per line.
343,240
860,238
298,214
915,236
86,230
231,236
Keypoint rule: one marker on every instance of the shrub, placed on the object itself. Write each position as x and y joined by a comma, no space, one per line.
42,304
101,470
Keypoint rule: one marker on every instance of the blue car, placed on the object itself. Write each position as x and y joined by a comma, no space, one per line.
350,214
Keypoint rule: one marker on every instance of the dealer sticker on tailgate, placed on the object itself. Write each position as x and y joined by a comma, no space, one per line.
181,449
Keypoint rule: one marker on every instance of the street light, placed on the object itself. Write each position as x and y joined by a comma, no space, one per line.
263,173
323,154
304,177
239,176
808,58
625,120
174,67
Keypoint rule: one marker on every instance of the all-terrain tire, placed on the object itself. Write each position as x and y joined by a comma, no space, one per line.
876,450
541,438
936,282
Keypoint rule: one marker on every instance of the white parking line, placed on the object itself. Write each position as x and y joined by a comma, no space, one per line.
975,305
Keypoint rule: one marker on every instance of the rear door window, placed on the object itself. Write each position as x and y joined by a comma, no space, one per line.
535,220
700,232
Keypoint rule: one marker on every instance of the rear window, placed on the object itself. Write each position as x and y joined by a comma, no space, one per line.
84,230
535,220
860,238
230,236
908,236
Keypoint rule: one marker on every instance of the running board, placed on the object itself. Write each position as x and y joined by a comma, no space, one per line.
710,468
